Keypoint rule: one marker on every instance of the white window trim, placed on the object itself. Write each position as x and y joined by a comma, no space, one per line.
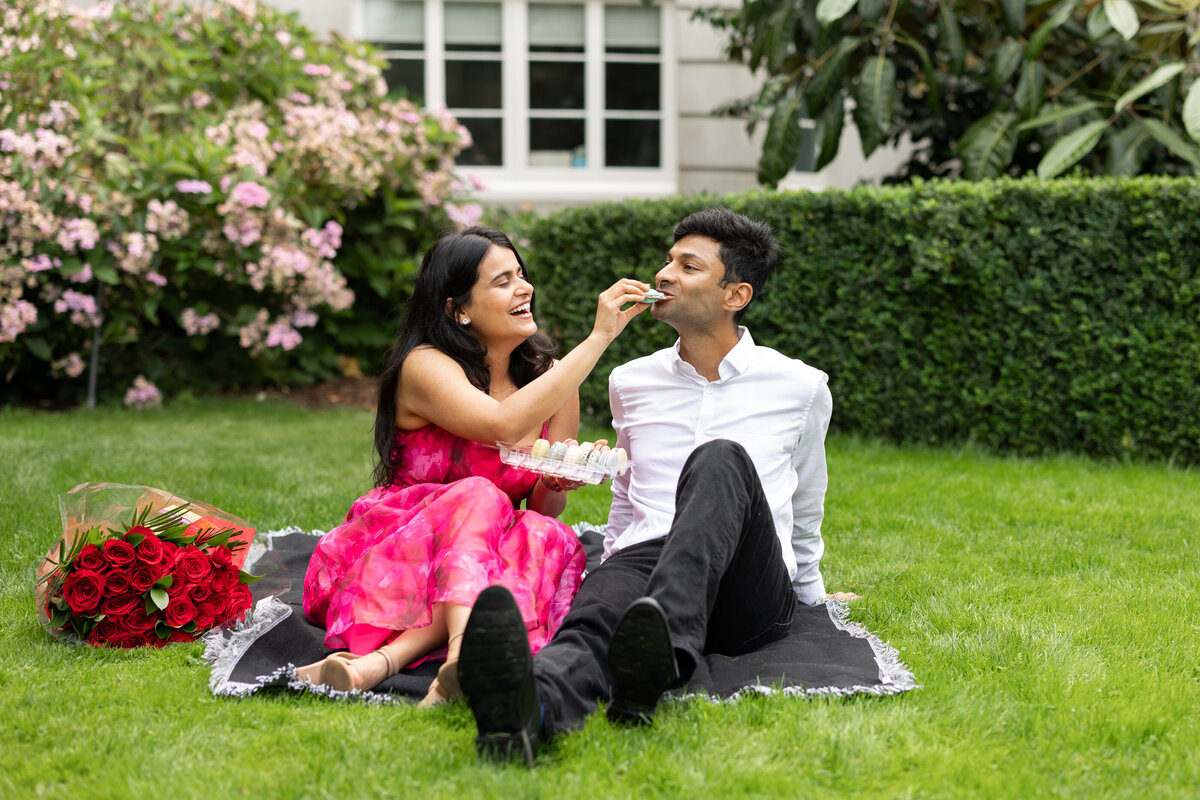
517,182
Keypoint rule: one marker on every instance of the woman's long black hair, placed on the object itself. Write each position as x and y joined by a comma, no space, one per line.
449,270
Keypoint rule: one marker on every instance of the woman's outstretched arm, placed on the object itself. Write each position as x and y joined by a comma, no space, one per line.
434,388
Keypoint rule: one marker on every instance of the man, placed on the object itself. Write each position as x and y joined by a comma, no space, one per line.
712,536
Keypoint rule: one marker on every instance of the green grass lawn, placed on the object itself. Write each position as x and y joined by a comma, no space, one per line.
1048,607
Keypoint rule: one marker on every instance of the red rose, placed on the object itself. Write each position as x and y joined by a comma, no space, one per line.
151,550
239,600
116,582
178,587
82,590
199,592
220,557
118,553
143,576
89,557
179,636
222,581
138,530
191,565
132,639
207,613
138,621
103,633
180,612
121,605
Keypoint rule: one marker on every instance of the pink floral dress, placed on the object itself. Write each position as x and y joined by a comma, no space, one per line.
446,528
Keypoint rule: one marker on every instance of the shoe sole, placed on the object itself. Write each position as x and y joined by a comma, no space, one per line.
642,663
494,664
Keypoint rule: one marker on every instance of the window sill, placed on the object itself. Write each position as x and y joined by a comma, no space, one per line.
556,187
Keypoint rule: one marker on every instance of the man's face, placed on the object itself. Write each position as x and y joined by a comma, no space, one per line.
691,280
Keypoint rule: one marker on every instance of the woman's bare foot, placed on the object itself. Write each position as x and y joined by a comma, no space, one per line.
845,597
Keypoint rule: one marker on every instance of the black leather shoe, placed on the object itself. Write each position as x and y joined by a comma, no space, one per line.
642,662
495,670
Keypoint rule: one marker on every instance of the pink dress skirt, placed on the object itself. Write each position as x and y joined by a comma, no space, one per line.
446,528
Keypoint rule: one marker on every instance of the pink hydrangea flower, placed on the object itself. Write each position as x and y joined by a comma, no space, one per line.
250,194
467,214
143,394
41,262
72,366
193,187
281,334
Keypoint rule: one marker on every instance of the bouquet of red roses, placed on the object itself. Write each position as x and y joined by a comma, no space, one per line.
140,566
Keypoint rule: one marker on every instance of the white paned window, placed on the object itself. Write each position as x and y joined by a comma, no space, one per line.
398,27
570,100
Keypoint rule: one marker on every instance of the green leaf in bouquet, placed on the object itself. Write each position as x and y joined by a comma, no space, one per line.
162,630
246,577
188,628
170,517
59,618
158,596
219,538
139,516
175,534
135,538
165,581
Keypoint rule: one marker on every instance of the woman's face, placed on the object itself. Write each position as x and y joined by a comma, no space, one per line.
499,308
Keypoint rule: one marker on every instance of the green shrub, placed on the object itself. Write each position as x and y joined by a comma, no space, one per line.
224,198
1027,317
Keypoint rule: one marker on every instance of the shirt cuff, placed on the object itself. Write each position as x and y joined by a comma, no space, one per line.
810,593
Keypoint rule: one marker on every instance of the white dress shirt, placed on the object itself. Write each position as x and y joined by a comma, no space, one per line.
778,408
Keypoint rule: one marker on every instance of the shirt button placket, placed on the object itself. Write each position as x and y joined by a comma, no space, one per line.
705,415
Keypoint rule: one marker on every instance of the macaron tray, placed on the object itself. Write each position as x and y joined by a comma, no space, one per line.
584,462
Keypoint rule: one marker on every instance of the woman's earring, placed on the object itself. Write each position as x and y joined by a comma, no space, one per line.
466,321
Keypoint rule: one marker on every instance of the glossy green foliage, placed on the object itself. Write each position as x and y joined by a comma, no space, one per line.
982,87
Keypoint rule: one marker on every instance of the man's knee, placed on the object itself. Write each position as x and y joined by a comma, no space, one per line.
721,453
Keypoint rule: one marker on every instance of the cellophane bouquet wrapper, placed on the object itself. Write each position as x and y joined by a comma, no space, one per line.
139,566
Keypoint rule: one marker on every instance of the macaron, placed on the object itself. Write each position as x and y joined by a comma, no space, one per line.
540,448
653,296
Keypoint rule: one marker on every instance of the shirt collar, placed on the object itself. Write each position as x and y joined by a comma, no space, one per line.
736,361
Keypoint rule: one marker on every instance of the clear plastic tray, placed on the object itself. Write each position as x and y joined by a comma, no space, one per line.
518,455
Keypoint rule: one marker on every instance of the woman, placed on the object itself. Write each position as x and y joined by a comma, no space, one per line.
397,579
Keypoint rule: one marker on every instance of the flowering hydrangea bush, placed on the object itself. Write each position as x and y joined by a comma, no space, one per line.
180,180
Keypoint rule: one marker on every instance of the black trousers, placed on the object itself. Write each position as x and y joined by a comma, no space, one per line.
718,574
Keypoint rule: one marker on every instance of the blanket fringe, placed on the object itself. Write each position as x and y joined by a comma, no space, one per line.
894,676
224,647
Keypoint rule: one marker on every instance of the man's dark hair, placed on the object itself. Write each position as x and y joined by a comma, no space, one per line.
749,248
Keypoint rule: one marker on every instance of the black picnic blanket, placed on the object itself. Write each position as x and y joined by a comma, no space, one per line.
825,653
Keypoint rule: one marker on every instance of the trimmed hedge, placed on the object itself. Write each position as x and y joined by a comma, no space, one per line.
1026,317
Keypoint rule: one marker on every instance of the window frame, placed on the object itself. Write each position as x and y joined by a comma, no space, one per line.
519,182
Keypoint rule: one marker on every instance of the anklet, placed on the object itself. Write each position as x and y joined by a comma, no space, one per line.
387,660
